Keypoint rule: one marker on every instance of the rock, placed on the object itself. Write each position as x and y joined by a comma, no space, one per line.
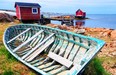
67,17
52,25
113,35
4,17
63,27
81,31
114,53
107,33
87,29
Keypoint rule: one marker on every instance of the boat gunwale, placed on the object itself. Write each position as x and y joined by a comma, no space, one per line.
64,31
99,42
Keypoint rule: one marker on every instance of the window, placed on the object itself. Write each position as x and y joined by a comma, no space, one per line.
34,10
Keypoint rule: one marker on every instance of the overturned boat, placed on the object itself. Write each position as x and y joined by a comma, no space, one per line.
51,51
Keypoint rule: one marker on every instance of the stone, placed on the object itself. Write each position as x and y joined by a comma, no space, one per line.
63,27
81,31
107,33
4,17
113,35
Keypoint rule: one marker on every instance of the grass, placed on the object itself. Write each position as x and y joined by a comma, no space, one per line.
10,66
8,72
95,68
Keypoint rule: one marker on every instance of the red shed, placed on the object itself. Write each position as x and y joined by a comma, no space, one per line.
27,11
80,14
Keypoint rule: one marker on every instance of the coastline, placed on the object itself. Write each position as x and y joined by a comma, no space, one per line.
108,52
106,55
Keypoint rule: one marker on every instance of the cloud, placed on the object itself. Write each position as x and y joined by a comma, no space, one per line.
66,5
77,2
21,0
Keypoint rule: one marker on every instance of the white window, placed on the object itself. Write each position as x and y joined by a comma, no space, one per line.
34,10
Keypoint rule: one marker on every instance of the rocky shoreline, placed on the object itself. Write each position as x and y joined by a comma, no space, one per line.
103,32
108,52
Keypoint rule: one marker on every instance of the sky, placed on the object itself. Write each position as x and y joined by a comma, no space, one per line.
68,6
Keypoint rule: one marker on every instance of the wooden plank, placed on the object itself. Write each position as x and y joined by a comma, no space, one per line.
37,40
75,69
44,65
23,44
63,73
52,63
50,68
37,60
19,52
81,53
38,51
37,46
19,35
60,59
69,48
64,46
87,47
58,46
74,50
38,63
54,45
61,46
57,71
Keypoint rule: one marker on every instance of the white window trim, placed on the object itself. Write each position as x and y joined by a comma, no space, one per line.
35,12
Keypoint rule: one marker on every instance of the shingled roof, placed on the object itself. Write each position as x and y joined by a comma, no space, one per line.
22,4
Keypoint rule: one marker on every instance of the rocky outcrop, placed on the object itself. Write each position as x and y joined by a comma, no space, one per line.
113,35
74,29
108,52
98,32
4,17
103,32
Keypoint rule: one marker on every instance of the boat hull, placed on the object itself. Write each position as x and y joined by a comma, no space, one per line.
50,50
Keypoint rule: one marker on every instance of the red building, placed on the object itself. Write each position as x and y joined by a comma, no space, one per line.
80,14
27,11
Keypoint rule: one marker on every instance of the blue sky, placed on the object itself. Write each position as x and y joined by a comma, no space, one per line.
68,6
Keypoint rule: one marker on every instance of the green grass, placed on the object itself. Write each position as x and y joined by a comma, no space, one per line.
8,56
8,61
95,68
10,66
8,72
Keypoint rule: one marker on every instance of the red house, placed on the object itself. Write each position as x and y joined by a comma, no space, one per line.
80,14
27,11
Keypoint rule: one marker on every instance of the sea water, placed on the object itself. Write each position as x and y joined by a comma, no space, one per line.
96,21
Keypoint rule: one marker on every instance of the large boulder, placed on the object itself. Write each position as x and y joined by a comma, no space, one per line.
113,35
4,17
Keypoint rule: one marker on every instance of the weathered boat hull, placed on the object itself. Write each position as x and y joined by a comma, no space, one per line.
51,51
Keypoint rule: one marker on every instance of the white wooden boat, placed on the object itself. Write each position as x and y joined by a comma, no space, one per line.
51,51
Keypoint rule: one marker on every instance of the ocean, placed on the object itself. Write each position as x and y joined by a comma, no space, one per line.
96,20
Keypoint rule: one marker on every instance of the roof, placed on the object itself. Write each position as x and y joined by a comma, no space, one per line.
22,4
80,10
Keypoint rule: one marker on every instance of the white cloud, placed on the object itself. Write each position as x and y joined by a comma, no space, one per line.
77,2
66,5
20,0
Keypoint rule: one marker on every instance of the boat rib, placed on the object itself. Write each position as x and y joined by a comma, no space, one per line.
51,51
